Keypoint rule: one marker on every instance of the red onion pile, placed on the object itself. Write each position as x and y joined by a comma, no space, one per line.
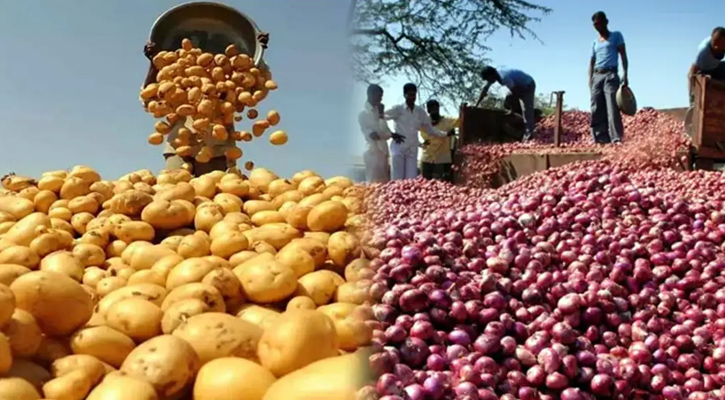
596,280
652,139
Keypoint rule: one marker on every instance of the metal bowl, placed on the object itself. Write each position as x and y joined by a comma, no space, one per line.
210,26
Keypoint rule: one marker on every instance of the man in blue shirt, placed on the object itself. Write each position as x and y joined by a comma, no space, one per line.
709,60
604,81
522,87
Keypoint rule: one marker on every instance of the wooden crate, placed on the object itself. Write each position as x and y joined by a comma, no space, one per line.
709,118
478,125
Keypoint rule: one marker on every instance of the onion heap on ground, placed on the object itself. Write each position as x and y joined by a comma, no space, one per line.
174,287
214,90
596,280
651,138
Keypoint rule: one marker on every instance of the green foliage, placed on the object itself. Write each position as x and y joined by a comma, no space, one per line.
438,44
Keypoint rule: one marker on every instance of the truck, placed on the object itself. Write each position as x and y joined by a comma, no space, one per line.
705,123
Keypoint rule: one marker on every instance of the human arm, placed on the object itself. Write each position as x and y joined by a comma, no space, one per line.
592,60
427,126
484,92
368,126
393,113
622,50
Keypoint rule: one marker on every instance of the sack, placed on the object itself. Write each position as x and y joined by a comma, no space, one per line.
625,101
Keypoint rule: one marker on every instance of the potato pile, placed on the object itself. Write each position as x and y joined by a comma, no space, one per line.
214,91
173,287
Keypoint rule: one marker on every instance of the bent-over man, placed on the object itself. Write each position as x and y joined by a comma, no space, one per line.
522,87
709,60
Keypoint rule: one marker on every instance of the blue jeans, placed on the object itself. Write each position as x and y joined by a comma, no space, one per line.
606,122
527,97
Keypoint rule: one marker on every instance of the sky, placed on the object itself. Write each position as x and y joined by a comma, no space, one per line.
72,69
661,38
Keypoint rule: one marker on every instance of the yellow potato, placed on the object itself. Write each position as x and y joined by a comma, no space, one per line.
278,138
301,303
224,280
137,318
296,339
6,355
300,261
43,293
132,231
229,244
194,246
328,216
63,262
358,269
267,217
180,311
23,333
7,304
356,292
228,378
168,214
167,362
148,291
18,389
207,216
276,234
11,272
88,254
109,284
206,293
102,342
25,230
343,248
320,286
315,248
18,207
334,378
215,335
75,385
351,329
266,281
123,387
188,271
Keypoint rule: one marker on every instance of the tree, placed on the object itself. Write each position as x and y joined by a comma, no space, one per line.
439,44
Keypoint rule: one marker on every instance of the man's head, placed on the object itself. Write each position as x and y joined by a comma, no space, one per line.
433,108
375,95
600,21
489,74
717,39
410,91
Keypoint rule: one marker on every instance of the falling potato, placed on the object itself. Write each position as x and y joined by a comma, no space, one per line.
211,92
278,138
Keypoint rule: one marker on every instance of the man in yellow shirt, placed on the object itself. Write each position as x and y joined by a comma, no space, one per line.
437,156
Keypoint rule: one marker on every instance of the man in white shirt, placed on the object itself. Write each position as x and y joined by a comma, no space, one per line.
409,119
376,132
